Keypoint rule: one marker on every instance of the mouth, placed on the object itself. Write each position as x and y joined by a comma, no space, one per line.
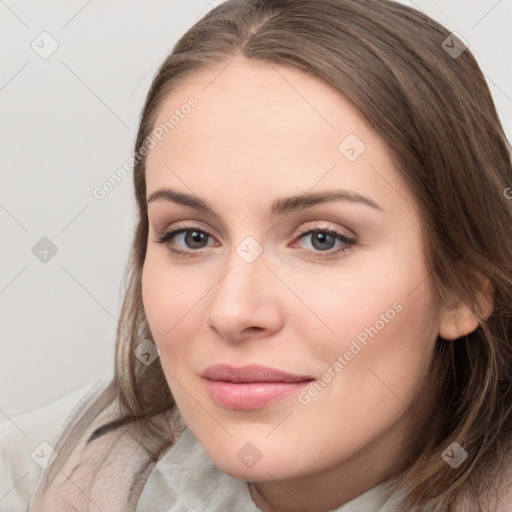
250,387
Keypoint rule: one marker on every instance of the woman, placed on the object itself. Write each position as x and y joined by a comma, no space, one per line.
318,300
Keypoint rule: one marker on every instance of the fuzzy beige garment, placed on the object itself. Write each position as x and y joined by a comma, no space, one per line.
106,475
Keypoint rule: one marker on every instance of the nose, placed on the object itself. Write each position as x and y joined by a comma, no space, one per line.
245,303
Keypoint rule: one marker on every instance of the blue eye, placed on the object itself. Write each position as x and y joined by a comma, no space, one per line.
194,237
322,240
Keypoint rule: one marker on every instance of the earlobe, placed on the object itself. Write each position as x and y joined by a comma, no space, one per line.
459,320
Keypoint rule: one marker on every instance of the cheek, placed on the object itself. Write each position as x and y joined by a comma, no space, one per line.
169,296
156,297
369,325
385,355
377,361
339,304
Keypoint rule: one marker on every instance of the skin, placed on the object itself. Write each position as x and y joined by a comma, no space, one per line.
258,133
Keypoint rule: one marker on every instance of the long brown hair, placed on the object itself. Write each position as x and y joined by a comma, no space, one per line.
436,113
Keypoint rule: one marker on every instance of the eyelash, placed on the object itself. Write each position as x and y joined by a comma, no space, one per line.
167,237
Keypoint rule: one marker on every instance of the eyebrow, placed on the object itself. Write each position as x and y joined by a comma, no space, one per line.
280,206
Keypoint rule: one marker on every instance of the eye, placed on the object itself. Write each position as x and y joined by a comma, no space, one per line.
194,238
322,241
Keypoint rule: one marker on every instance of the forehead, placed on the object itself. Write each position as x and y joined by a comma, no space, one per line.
258,100
257,126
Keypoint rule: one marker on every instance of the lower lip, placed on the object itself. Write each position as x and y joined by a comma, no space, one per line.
248,396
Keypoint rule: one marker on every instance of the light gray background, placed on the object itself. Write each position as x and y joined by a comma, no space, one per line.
68,123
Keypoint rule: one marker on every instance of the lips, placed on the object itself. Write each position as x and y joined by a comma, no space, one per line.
250,387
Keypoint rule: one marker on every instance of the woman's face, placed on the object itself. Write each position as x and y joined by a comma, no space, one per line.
355,323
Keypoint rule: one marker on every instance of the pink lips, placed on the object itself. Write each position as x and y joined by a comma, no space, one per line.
250,387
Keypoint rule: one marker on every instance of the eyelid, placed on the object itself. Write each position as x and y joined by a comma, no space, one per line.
306,225
324,226
183,225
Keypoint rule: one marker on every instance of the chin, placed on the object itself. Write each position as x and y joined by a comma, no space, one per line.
263,470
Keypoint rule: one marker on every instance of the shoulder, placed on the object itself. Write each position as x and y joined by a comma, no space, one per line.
26,444
503,489
496,494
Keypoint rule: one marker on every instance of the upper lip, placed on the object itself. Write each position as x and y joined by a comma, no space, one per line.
251,373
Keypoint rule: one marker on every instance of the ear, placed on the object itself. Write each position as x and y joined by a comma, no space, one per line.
458,320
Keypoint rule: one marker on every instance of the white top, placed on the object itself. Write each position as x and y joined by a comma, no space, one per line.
22,451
